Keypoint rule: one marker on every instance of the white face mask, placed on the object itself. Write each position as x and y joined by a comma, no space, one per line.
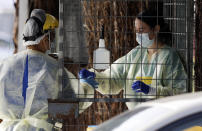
143,39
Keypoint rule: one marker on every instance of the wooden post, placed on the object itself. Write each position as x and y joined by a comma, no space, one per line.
15,29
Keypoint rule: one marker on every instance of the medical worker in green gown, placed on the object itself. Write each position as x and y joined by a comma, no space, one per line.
151,70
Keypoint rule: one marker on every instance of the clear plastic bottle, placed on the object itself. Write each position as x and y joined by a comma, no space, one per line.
101,56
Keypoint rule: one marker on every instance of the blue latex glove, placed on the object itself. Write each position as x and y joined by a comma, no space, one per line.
88,77
140,86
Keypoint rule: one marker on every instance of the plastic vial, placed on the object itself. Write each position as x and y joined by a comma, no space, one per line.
101,56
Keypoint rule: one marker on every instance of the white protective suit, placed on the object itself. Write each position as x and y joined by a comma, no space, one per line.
163,72
30,114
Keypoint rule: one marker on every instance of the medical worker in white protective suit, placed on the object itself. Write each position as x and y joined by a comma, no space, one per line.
151,70
29,78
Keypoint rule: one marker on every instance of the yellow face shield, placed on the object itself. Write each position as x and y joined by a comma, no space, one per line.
49,27
51,23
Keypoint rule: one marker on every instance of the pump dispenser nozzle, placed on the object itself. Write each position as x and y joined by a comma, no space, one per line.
102,32
101,41
101,56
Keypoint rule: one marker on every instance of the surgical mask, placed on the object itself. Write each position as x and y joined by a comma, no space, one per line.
143,39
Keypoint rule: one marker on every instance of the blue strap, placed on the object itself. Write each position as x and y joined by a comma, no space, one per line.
25,80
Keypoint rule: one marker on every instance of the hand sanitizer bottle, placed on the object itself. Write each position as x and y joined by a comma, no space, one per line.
101,56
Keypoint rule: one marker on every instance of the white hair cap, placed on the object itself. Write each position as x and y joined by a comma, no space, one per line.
32,27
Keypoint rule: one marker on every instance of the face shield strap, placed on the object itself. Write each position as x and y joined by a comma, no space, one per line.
40,33
32,38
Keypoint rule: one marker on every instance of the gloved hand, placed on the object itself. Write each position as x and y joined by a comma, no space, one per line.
140,86
88,77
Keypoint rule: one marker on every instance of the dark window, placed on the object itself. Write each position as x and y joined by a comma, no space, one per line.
184,123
